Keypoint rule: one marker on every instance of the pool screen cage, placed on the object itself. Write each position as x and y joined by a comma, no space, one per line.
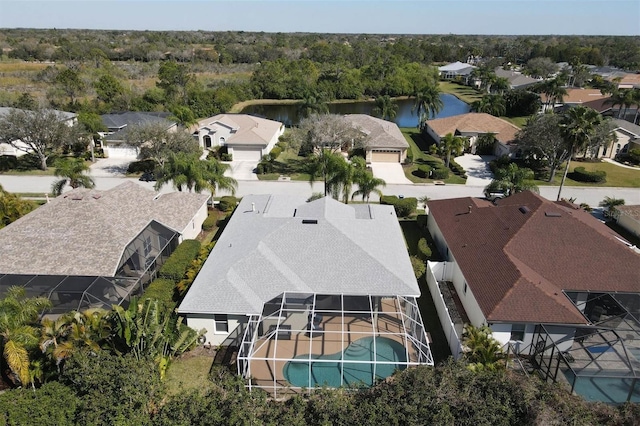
306,341
600,361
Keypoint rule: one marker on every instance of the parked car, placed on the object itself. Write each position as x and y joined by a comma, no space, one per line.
492,196
148,177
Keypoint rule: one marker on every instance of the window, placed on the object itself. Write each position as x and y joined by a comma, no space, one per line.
517,332
222,326
207,141
147,246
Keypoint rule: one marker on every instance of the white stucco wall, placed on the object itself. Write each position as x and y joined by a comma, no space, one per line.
207,322
194,227
629,223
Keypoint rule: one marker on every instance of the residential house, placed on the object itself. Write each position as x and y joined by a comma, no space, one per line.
385,142
301,287
578,96
550,280
471,126
89,248
627,138
19,148
516,79
119,124
629,218
456,71
246,137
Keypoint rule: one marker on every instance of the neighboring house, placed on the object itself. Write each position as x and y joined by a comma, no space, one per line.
472,125
9,149
629,218
385,142
119,124
628,138
456,71
89,248
577,96
629,81
516,79
547,278
299,287
246,137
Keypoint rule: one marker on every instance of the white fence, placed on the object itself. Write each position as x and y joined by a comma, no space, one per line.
439,269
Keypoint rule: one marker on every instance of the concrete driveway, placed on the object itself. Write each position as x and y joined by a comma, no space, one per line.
477,168
392,173
110,167
242,170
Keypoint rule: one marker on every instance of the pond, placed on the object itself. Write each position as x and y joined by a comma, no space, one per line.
288,114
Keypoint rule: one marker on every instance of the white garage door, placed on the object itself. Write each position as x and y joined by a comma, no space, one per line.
385,157
122,151
247,154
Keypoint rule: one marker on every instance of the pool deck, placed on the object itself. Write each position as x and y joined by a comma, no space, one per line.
273,351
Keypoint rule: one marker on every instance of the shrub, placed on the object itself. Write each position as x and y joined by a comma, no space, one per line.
582,175
424,251
456,168
211,221
423,171
177,264
403,206
264,167
421,220
228,203
226,157
440,173
143,166
419,268
162,290
499,163
275,152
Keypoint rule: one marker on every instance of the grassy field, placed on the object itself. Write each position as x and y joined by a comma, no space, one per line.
417,144
616,176
288,164
190,372
518,121
464,93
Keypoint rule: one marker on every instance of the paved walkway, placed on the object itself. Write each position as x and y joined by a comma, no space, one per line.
477,169
391,173
609,160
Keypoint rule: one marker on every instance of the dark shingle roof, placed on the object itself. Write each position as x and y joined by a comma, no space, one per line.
518,264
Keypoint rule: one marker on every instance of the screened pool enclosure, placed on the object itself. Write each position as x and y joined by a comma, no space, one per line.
138,266
306,341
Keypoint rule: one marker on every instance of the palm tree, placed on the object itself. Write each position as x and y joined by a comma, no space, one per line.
184,171
511,180
490,104
610,203
72,171
385,108
215,175
19,330
367,184
451,143
481,350
428,102
577,125
553,90
636,102
332,167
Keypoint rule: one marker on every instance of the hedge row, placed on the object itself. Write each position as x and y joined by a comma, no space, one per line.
143,166
423,171
211,221
228,203
582,175
265,167
177,264
440,173
403,206
162,290
456,168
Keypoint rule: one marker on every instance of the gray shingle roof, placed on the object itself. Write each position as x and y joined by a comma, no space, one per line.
352,249
84,232
380,133
626,125
125,120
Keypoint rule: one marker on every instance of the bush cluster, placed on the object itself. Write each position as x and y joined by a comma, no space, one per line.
499,163
457,169
265,167
143,166
582,175
162,290
424,251
403,206
440,173
177,264
423,171
228,203
211,221
419,267
275,152
225,156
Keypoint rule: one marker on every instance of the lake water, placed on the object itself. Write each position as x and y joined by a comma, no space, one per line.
288,114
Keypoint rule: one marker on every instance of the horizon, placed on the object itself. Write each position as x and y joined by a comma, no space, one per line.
382,17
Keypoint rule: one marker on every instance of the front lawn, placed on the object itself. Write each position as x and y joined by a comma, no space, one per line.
464,93
418,144
289,164
616,176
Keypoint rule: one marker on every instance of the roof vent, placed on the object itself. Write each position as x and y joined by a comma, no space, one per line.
310,221
524,209
96,196
77,197
552,214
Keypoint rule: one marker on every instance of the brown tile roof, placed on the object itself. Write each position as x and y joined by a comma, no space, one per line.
518,264
579,96
380,133
601,105
475,122
250,130
84,232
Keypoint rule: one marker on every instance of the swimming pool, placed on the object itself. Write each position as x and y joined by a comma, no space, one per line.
327,371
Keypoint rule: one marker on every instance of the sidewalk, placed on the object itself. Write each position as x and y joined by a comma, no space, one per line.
609,160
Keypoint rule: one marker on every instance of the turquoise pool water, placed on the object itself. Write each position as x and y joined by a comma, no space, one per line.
329,370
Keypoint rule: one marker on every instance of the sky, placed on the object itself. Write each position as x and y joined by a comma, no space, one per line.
563,17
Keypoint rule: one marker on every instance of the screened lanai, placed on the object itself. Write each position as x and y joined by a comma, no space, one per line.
305,340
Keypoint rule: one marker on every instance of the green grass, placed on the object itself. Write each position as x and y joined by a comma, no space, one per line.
289,164
191,372
418,144
616,176
518,121
464,93
34,172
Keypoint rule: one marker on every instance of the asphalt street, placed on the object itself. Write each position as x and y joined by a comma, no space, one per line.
589,195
